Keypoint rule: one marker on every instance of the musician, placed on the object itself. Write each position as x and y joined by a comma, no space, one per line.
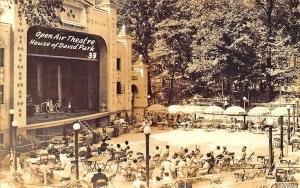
49,105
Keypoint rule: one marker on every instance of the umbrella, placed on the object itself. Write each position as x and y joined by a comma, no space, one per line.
259,111
235,110
43,152
173,109
192,109
213,110
281,111
157,108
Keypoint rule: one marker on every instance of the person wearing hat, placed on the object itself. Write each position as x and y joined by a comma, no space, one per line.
225,151
166,152
196,150
157,182
206,167
96,137
181,152
193,167
44,168
157,152
242,158
174,161
67,166
211,161
124,146
218,154
182,169
166,166
88,151
167,180
99,179
138,183
125,168
186,153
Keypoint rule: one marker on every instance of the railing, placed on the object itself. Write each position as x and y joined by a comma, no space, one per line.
86,126
13,184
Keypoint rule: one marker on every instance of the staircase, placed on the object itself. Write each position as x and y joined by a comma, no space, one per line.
85,126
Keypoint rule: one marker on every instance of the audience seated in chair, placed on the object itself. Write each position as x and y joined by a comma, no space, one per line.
99,179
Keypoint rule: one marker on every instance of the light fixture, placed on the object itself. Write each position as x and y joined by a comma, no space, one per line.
11,111
147,130
76,126
15,123
270,122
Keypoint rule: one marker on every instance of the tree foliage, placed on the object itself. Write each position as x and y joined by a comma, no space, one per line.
237,45
39,12
140,18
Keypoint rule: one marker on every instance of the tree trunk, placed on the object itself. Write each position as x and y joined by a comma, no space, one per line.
171,87
147,62
149,84
228,85
270,8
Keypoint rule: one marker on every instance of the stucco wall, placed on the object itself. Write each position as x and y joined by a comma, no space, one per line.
99,21
5,79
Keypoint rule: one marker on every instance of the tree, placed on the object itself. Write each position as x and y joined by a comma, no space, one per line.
215,43
173,38
233,40
279,36
39,12
223,44
140,18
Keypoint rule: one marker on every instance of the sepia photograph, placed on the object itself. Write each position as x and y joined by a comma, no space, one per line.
149,93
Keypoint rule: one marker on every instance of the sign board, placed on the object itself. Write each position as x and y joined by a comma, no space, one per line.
51,42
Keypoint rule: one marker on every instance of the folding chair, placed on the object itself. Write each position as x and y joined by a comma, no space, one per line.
281,175
151,170
155,159
262,166
110,182
241,163
239,176
37,175
250,176
216,180
128,153
108,166
101,183
164,157
225,163
296,146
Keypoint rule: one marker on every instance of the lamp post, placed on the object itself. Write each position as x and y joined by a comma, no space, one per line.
103,107
245,99
147,132
15,125
195,100
297,111
149,100
294,120
270,123
11,114
280,121
223,86
289,122
76,128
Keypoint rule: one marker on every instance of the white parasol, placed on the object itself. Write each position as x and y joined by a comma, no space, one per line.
235,110
213,110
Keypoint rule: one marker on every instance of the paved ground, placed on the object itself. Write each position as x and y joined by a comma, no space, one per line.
179,137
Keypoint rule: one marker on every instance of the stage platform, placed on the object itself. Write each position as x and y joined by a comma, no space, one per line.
52,119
